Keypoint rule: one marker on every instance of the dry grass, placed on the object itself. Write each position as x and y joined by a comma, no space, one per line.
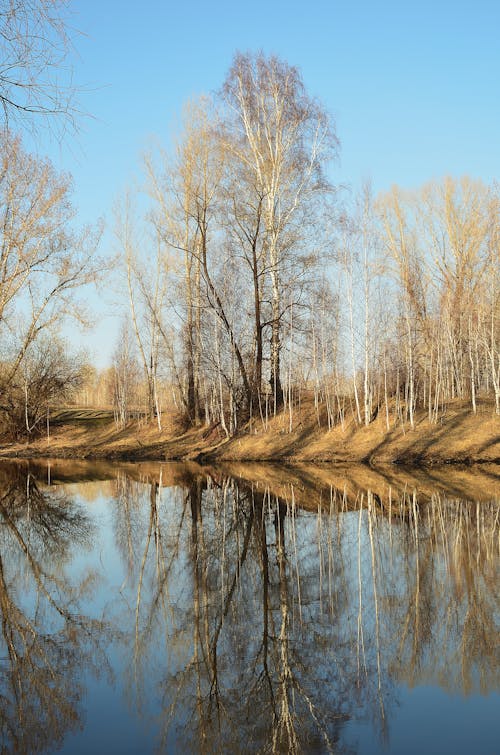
459,437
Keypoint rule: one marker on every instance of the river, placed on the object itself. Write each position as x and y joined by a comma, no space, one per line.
175,608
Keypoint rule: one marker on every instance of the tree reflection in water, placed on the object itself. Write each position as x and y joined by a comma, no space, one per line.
267,617
45,644
268,628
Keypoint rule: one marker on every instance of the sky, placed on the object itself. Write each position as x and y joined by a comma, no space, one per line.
413,88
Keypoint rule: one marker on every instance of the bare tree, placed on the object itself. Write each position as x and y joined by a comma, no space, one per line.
456,218
443,243
283,137
403,249
147,282
184,193
44,261
125,375
35,70
49,376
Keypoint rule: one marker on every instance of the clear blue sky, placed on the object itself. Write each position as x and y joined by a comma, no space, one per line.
414,87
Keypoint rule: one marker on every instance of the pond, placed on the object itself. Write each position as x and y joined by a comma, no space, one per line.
179,608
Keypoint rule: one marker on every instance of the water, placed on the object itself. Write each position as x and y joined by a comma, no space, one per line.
171,608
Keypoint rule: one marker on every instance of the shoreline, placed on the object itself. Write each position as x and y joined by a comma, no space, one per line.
309,486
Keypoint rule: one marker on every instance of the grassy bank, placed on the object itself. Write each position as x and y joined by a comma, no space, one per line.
458,437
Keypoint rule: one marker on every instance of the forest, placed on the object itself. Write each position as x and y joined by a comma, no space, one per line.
264,282
251,281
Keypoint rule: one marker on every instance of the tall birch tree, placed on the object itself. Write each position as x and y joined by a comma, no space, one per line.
284,138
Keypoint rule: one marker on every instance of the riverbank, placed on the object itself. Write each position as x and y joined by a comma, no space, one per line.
459,437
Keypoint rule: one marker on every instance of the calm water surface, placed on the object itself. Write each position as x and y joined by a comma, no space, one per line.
168,608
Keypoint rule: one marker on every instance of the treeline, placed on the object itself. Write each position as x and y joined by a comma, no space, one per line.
254,282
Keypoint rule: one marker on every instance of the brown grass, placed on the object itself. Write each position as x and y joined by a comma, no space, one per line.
459,437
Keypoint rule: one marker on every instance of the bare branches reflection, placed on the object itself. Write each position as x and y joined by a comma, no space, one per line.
46,644
264,623
252,610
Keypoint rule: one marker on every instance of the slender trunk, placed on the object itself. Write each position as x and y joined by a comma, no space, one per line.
472,372
275,379
257,372
197,343
221,314
386,400
353,359
366,386
146,367
191,396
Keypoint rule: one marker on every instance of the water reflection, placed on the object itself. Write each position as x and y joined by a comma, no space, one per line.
45,642
280,625
254,610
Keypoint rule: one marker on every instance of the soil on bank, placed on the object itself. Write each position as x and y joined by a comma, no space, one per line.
459,437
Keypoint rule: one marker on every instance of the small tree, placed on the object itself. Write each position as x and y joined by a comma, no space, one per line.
48,378
125,375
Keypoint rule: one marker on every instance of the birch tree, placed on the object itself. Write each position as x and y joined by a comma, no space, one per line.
284,138
125,375
402,248
455,218
147,283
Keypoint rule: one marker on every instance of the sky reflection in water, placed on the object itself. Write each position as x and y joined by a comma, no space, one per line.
166,608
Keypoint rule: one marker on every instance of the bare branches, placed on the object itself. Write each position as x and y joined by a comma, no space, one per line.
35,71
44,260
